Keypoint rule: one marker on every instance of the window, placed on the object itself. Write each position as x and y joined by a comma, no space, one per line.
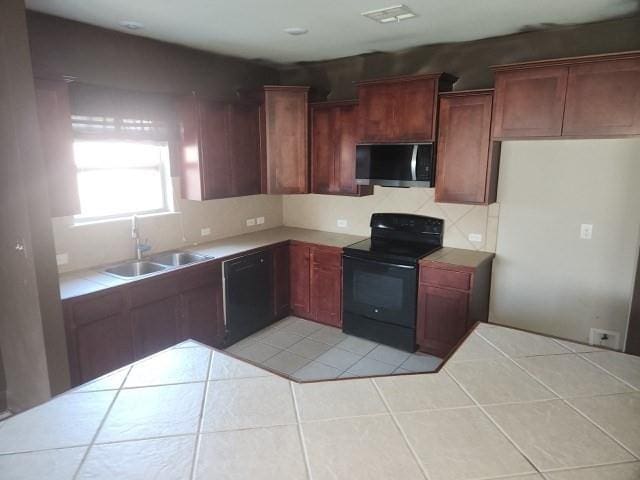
119,178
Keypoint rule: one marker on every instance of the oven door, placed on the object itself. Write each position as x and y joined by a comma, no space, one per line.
385,292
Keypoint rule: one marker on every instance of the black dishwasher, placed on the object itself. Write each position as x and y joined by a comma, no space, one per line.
248,286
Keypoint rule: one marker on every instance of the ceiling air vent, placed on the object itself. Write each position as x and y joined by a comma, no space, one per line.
395,13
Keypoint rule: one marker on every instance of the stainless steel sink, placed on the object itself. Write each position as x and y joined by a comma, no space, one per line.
134,269
176,259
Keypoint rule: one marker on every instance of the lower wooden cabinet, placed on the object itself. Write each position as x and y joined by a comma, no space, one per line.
112,328
316,283
451,299
281,286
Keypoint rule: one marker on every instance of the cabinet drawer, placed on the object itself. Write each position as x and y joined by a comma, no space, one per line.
445,278
326,258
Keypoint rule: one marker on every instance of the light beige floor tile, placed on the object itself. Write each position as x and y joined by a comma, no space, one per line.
422,392
225,367
112,381
188,344
522,344
421,363
359,346
369,366
178,365
498,381
386,354
461,444
338,358
273,453
302,327
618,415
626,367
257,352
241,345
328,335
323,400
67,420
316,371
281,338
51,464
530,476
577,347
473,349
308,348
160,458
364,448
624,471
286,362
554,436
247,403
153,411
571,376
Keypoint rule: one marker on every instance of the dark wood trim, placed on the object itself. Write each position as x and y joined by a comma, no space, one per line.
633,333
442,76
466,93
567,61
334,103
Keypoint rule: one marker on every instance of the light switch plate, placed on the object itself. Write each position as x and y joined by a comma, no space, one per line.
62,259
251,222
475,237
205,231
342,223
260,220
586,231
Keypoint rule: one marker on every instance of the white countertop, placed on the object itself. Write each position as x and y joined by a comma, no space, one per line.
508,404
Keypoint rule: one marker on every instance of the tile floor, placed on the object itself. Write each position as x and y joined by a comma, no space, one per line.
308,351
192,413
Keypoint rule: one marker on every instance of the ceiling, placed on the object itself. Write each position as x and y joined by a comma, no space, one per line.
253,29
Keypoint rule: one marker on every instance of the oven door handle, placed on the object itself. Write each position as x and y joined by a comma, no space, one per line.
378,262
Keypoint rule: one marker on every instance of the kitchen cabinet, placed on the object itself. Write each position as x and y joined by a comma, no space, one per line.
316,283
283,140
451,299
114,327
281,285
401,109
334,135
220,149
56,140
467,158
581,97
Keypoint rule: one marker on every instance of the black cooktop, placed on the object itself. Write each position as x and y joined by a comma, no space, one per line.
390,250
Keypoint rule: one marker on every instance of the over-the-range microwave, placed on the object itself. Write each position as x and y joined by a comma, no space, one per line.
396,165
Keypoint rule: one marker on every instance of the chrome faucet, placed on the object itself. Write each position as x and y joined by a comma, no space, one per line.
140,247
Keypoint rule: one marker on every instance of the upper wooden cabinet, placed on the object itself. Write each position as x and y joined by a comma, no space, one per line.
334,135
592,96
56,139
283,133
467,169
220,149
401,109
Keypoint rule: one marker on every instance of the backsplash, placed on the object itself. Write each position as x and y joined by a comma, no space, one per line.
108,242
322,212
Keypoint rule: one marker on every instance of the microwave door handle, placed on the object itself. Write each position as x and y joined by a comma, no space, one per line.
414,162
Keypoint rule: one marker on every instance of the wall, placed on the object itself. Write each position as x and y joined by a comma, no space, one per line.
545,278
469,61
108,242
31,331
322,212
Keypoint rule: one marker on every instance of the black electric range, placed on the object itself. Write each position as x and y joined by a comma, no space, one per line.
380,277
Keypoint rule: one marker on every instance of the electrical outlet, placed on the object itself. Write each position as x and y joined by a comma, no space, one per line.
342,223
475,237
604,338
586,231
251,222
62,259
205,231
260,220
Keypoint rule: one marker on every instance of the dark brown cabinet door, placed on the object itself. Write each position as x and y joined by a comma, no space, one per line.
98,335
529,102
281,282
56,139
284,140
216,161
603,98
322,150
400,109
464,163
442,318
326,293
300,280
244,138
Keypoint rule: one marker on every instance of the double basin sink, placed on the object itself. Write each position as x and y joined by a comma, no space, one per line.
154,264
